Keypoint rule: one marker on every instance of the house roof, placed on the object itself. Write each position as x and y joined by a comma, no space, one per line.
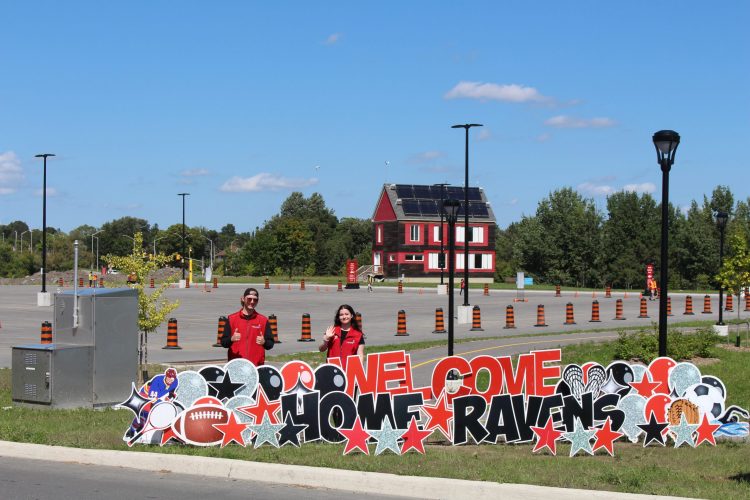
423,202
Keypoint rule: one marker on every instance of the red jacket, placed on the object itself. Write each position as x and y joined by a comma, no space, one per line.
250,327
337,349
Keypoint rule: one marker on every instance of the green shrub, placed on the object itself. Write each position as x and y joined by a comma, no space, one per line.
644,345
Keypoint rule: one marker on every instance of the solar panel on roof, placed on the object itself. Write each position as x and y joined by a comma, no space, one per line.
454,192
474,194
404,191
423,192
478,210
411,207
428,207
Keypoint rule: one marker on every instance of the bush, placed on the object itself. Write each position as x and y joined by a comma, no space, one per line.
644,345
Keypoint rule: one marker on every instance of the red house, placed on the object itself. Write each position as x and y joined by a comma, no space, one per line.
407,239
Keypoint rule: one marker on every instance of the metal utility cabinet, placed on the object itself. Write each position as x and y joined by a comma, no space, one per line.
90,365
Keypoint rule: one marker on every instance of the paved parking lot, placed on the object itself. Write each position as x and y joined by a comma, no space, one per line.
20,318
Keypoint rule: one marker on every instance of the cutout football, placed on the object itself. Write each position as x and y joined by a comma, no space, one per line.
196,424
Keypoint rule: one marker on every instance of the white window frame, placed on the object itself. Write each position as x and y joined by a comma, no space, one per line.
414,230
459,234
414,257
477,235
436,233
379,237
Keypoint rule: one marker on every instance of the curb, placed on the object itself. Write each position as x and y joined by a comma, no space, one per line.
304,476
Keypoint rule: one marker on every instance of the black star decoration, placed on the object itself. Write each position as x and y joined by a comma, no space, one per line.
135,401
226,388
290,432
653,431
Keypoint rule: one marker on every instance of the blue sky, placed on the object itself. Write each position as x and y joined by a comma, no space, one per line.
241,103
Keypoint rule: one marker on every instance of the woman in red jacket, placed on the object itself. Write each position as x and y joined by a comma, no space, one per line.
344,338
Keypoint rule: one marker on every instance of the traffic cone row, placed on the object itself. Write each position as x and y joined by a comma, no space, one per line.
669,306
510,317
729,305
302,284
706,305
569,319
358,317
339,287
273,323
152,284
216,283
486,290
305,335
266,284
618,310
400,287
608,292
540,315
557,291
747,300
644,308
595,312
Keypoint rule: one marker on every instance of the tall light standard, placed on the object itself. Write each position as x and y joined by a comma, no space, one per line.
450,208
721,223
666,142
24,232
44,221
441,259
183,231
212,250
94,267
467,233
157,239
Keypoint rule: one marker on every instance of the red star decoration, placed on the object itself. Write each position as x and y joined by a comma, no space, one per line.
706,432
414,438
645,387
167,435
439,416
232,431
605,438
547,437
262,406
356,438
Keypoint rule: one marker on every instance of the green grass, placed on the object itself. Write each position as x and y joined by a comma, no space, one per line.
719,472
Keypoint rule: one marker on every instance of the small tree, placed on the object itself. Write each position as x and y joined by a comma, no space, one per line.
152,308
734,274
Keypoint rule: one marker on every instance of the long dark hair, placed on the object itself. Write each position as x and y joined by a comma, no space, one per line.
354,323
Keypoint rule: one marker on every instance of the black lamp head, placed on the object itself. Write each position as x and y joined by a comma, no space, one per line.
450,208
666,142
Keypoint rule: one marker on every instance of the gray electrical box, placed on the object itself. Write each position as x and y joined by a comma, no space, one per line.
88,365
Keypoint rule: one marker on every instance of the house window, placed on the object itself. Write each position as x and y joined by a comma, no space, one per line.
391,258
414,258
477,235
459,234
379,235
478,261
414,232
437,234
433,261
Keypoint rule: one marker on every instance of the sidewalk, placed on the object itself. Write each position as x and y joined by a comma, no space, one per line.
310,477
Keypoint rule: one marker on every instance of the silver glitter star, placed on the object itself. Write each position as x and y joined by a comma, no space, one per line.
683,433
242,370
190,386
580,438
387,438
266,432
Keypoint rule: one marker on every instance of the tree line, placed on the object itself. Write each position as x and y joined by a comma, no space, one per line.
304,238
568,241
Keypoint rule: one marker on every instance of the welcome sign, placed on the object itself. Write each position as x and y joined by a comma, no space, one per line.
532,400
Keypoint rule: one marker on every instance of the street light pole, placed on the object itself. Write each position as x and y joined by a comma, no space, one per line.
92,249
450,207
666,142
183,231
212,250
466,127
44,221
721,222
441,259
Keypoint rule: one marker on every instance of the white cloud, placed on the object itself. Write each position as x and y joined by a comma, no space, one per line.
495,92
264,182
194,172
332,39
50,192
563,121
592,189
426,156
645,187
11,173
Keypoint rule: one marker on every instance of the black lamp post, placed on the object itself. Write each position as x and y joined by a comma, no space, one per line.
467,233
721,223
450,208
183,232
666,142
441,258
44,221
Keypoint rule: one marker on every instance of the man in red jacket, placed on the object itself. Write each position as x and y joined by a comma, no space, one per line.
247,334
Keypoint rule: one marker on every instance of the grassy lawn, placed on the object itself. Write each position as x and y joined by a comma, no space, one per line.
719,472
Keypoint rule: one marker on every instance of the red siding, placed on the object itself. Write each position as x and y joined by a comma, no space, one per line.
384,210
